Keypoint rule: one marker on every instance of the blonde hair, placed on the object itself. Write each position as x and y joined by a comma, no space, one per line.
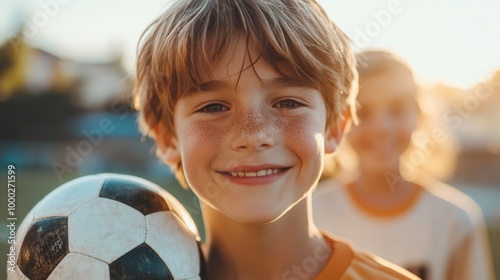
371,62
191,36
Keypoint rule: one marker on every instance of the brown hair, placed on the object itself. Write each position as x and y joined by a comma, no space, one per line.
192,35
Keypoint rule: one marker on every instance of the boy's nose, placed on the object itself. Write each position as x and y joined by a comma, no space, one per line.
255,131
381,126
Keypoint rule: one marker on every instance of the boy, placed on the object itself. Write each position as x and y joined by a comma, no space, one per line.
243,100
434,231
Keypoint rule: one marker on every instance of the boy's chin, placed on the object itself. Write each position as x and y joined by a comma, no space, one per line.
257,210
256,218
265,215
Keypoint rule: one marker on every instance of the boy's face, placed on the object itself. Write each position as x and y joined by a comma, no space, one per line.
388,114
251,145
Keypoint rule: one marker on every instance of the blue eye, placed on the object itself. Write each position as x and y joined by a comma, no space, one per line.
213,108
288,104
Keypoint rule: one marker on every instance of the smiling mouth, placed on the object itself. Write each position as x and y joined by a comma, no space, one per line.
259,173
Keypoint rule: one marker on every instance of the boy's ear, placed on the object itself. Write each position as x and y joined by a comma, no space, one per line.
167,148
335,131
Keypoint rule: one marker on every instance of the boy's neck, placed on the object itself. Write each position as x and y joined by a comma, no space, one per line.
239,251
383,191
380,183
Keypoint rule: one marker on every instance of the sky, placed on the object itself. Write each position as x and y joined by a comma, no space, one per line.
451,42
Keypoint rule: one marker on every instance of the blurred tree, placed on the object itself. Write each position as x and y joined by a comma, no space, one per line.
13,55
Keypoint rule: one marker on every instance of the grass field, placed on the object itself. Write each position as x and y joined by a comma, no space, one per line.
31,186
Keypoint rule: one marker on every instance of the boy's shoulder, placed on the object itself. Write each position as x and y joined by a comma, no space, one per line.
449,195
453,203
348,264
457,206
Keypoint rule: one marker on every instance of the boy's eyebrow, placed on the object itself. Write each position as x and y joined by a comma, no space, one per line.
214,85
282,82
273,83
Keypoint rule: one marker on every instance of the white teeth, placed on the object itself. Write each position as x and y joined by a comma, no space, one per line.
262,173
259,173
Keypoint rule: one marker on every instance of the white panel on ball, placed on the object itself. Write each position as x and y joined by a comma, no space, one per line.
68,197
106,229
80,267
166,235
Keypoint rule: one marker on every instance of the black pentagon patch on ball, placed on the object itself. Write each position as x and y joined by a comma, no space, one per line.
139,263
44,246
134,195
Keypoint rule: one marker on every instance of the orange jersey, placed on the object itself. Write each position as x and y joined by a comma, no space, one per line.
347,264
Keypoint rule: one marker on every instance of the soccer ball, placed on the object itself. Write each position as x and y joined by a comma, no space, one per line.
108,226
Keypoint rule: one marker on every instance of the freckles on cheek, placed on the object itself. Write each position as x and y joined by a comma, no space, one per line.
306,135
200,139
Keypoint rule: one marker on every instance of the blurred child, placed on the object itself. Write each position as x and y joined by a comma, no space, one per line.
243,100
427,227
